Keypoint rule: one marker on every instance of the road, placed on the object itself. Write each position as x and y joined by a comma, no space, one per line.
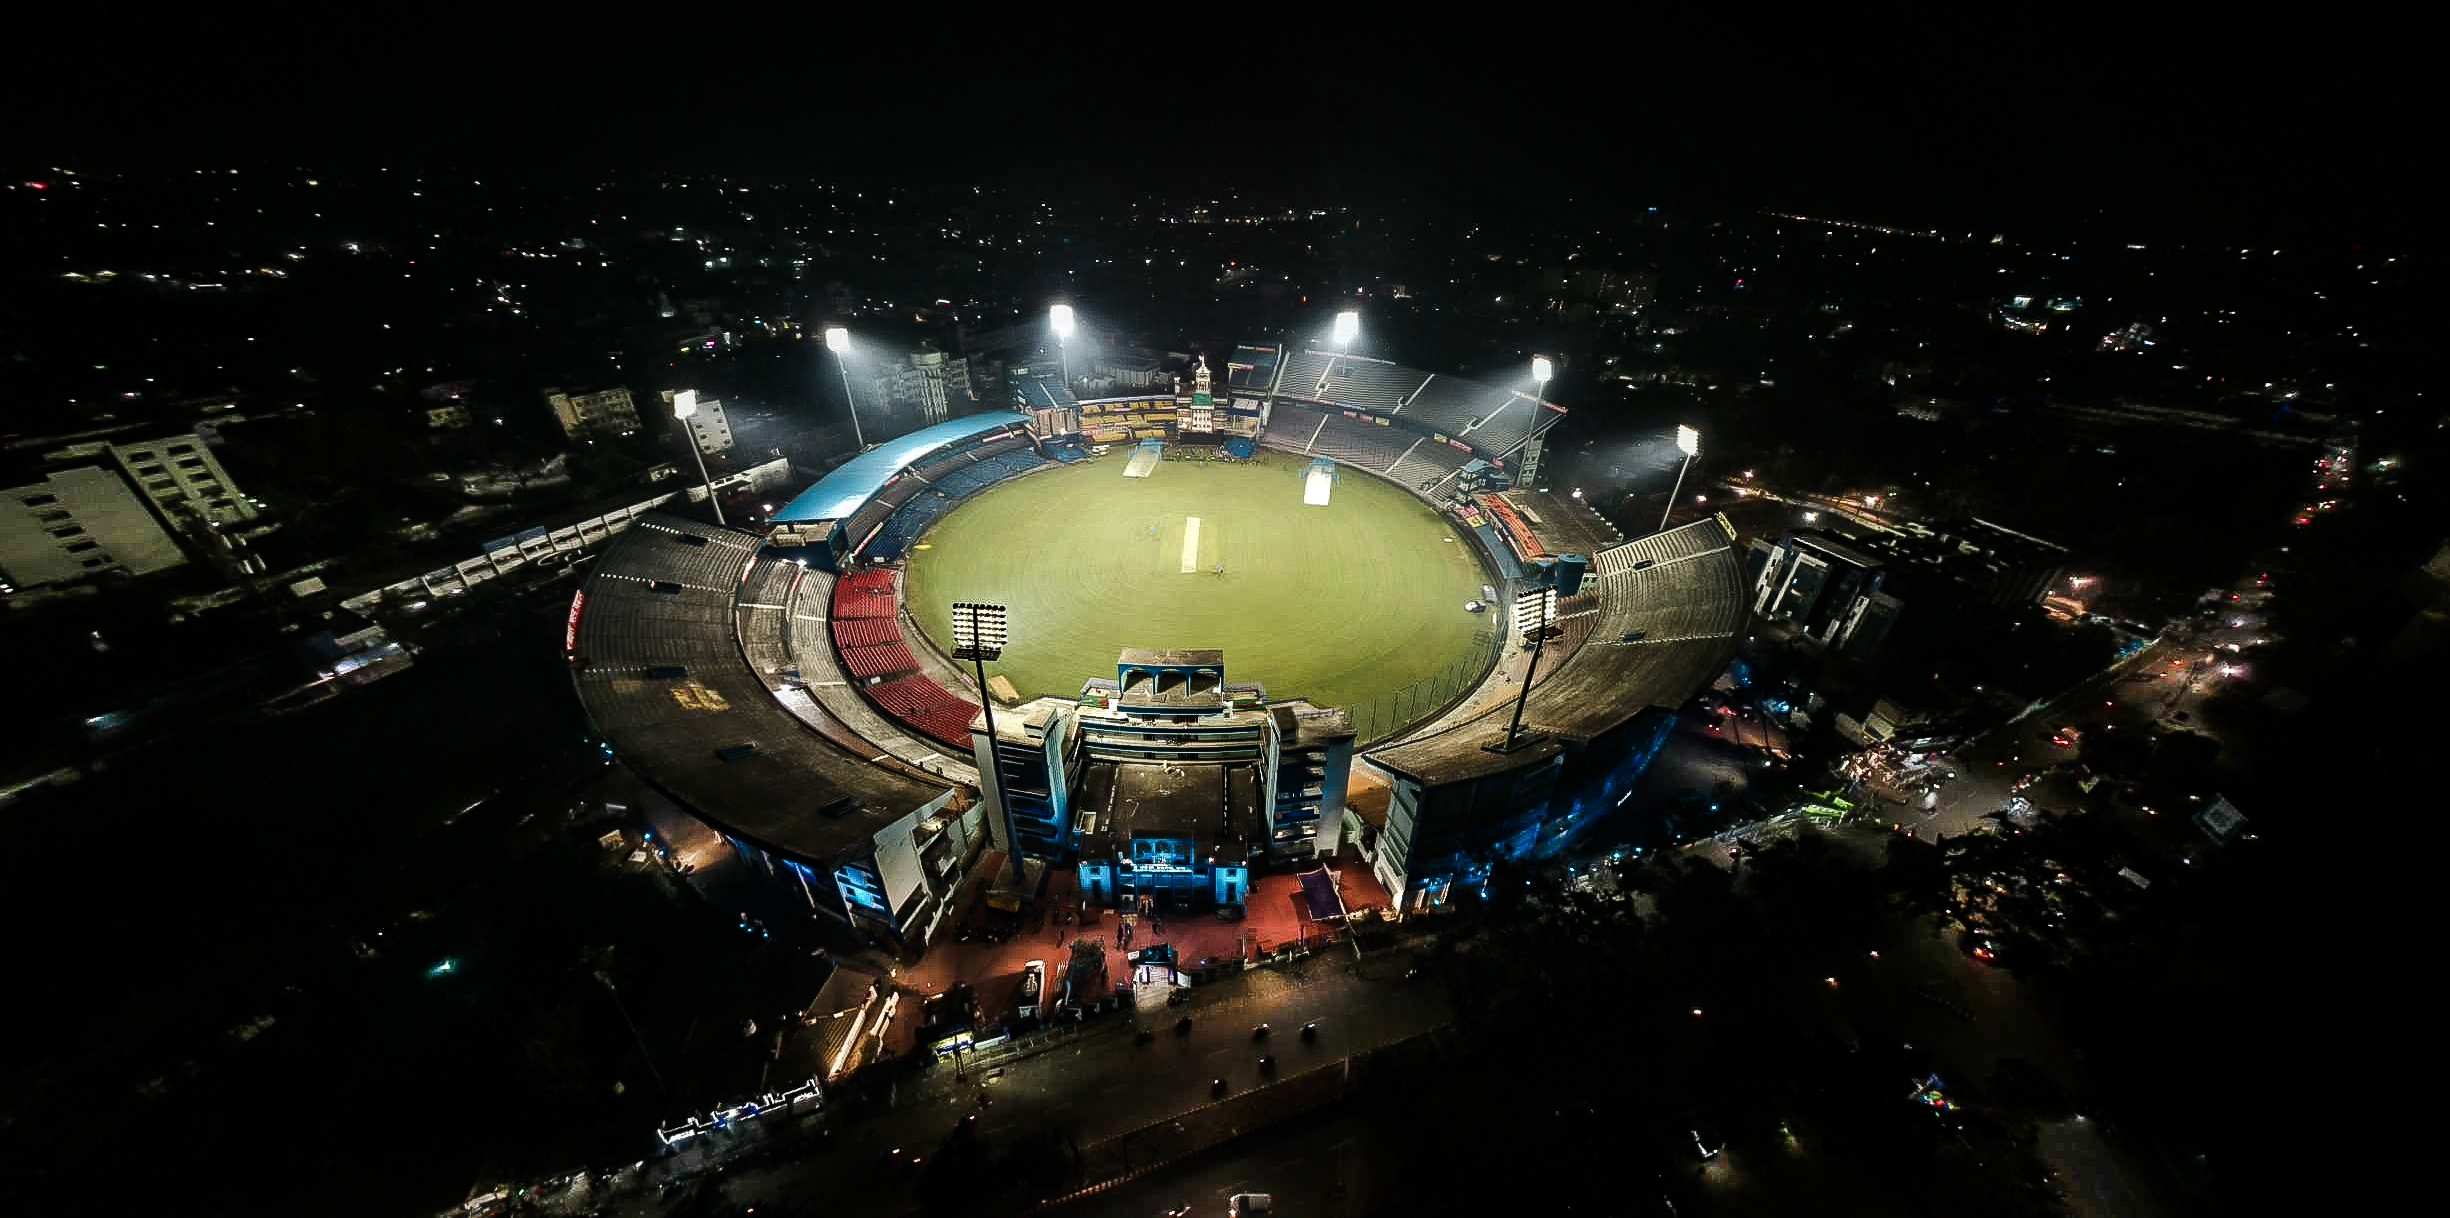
1106,1083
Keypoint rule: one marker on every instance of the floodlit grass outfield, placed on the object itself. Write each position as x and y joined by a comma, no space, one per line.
1338,604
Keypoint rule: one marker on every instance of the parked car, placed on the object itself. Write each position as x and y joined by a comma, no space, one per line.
1033,989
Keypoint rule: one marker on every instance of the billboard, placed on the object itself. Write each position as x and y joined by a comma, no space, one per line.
569,634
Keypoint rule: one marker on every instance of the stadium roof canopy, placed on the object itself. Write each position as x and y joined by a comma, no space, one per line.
857,480
663,677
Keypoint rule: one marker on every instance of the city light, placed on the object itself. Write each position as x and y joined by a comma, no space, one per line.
837,340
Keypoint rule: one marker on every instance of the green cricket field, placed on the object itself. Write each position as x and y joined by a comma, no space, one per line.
1340,604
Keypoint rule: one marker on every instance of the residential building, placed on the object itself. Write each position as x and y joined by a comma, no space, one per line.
185,483
933,386
595,414
76,524
710,428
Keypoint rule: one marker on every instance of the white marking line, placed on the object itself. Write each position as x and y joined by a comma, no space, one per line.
1190,545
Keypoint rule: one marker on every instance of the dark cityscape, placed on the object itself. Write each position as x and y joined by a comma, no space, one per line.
1224,623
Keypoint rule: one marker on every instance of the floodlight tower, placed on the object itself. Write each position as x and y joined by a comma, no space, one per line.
1527,468
980,633
1060,317
1535,614
1688,442
684,405
1347,328
838,341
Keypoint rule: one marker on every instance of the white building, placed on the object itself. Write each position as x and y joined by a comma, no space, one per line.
708,427
76,524
185,483
586,416
930,386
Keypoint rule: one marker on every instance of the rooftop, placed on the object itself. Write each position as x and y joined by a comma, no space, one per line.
1181,657
1302,725
663,678
857,480
1834,548
1216,806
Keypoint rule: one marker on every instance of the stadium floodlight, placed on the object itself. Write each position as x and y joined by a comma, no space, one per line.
838,341
685,405
1688,442
1535,615
1060,317
980,633
1348,327
1541,369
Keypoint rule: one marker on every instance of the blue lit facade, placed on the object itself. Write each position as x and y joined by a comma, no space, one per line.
1443,833
1167,782
897,883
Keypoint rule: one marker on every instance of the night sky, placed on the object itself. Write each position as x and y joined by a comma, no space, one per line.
2177,135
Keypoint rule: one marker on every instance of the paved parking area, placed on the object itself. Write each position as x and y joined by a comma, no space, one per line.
1275,917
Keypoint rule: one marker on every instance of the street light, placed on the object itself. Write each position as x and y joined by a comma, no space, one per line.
684,405
1688,442
1348,326
980,633
1060,317
838,341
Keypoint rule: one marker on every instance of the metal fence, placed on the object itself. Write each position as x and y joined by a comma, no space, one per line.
1390,712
